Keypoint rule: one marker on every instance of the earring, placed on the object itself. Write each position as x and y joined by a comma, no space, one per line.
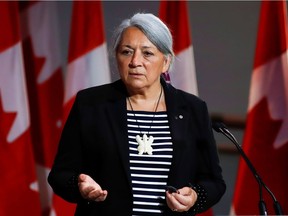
166,77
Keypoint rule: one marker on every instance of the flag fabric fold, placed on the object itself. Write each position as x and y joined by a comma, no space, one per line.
43,69
88,58
266,139
183,73
19,188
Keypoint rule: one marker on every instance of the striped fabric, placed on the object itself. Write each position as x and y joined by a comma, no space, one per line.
149,173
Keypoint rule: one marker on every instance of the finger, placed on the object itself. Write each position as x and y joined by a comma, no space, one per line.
94,194
174,202
85,190
81,178
186,201
98,195
102,197
189,193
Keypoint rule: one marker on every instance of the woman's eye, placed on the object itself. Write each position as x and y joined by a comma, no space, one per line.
126,52
148,53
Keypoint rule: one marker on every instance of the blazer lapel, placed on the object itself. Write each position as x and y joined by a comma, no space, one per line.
178,120
178,115
117,117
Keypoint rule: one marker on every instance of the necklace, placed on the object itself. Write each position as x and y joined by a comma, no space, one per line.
145,142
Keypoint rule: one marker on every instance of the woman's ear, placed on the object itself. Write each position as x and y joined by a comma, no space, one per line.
166,64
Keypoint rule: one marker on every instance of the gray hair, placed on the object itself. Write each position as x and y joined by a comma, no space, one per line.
153,28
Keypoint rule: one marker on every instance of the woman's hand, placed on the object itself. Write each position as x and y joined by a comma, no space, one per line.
90,190
181,201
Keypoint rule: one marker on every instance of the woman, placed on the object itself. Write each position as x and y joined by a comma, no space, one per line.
125,142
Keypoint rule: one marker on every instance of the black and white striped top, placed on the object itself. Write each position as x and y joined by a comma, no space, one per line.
149,173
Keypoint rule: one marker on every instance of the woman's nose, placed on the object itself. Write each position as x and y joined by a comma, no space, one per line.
135,60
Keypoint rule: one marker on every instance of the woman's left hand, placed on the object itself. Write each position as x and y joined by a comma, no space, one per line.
181,201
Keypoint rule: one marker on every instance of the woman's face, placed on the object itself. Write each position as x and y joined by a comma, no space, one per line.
140,63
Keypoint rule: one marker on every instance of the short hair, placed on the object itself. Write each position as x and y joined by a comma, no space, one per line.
153,28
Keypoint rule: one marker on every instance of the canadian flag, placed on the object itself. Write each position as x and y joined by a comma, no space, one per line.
88,59
43,66
19,188
266,135
183,73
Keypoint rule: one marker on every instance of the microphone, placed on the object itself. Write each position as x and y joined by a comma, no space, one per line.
221,128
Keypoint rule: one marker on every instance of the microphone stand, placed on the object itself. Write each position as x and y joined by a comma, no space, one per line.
221,128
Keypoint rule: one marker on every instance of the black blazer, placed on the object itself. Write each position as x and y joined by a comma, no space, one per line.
94,141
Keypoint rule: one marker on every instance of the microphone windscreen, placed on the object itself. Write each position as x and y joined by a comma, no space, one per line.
217,126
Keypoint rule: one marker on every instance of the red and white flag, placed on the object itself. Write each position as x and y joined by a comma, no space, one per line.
183,74
266,135
88,59
19,189
43,66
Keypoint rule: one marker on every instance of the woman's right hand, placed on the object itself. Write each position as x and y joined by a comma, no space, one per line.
90,190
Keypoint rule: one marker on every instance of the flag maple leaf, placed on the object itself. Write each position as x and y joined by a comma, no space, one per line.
6,121
263,137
